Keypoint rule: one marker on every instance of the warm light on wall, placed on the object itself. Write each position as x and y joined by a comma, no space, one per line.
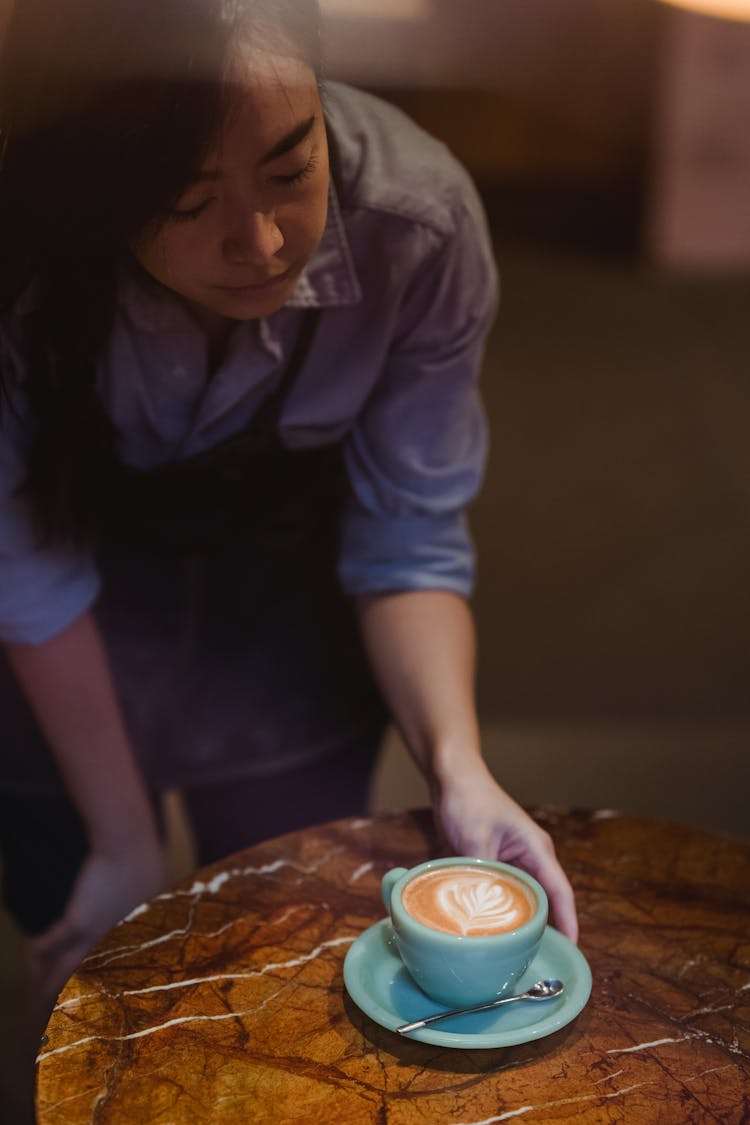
382,9
725,9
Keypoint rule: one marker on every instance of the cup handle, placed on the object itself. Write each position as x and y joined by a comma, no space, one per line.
388,883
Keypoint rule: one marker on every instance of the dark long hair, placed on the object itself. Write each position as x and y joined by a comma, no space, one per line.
107,110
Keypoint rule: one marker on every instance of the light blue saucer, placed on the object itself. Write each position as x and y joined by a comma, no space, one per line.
379,984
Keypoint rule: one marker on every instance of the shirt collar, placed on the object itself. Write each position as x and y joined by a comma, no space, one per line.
330,277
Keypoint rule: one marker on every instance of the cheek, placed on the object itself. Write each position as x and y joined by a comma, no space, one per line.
152,255
173,257
307,223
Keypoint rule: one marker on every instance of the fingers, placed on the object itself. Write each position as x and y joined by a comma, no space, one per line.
55,943
506,832
53,955
536,853
105,889
49,971
60,934
560,893
564,913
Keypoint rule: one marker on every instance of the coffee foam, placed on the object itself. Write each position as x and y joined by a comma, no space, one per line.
470,901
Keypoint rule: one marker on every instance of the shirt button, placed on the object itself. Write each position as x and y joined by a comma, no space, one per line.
179,371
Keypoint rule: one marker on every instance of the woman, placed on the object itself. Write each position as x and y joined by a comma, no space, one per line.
243,316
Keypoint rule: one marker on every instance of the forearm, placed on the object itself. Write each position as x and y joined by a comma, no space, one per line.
69,687
422,648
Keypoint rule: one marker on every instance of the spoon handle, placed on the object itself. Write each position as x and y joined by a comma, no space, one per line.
407,1027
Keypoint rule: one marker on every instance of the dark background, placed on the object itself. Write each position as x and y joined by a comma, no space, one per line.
614,527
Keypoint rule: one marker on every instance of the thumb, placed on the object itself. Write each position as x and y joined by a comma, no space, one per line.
57,936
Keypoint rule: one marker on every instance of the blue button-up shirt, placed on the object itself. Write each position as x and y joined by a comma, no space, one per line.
405,279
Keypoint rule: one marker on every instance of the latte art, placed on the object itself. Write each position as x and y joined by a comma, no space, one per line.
481,905
468,901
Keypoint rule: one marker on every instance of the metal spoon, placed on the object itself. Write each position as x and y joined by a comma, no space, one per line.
542,990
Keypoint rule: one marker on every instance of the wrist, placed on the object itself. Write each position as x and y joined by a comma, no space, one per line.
456,760
129,828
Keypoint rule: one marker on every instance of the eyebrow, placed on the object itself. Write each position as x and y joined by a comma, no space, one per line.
286,144
290,141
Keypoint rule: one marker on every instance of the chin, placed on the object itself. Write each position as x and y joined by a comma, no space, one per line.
252,306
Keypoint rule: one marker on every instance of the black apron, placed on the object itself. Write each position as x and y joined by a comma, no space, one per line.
233,649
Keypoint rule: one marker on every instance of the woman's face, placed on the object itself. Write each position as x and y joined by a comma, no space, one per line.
243,231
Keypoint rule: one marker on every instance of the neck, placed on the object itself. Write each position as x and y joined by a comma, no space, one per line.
216,329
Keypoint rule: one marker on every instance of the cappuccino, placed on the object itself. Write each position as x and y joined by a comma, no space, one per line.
469,901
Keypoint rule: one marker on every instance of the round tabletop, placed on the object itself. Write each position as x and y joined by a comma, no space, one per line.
223,1000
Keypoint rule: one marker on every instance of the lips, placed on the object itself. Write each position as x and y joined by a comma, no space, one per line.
257,286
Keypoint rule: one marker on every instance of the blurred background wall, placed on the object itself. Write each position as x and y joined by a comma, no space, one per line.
608,139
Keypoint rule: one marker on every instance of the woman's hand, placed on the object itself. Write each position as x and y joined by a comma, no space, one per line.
107,888
478,818
421,646
68,684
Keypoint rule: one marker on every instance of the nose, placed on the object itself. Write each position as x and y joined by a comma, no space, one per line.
255,238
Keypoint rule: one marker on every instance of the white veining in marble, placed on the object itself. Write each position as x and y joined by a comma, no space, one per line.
74,1000
708,1009
140,1034
195,892
107,956
71,1003
524,1109
77,1097
244,975
732,1045
271,966
608,1077
361,871
214,885
287,914
690,964
711,1070
135,913
643,1046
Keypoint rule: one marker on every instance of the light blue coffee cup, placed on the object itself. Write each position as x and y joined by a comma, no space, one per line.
455,969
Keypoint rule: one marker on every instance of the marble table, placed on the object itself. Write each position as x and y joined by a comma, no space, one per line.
223,999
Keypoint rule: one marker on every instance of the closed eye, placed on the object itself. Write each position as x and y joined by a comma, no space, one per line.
184,214
299,176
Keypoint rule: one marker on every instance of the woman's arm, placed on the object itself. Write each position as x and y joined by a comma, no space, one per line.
421,646
68,685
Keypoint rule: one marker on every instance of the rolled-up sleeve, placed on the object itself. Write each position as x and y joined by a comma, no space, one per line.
416,456
42,589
